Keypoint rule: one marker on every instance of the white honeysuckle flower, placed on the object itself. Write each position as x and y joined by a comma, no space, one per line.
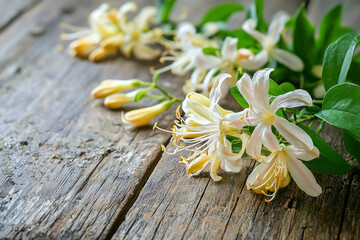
87,39
184,50
263,115
136,34
230,61
269,41
273,173
204,132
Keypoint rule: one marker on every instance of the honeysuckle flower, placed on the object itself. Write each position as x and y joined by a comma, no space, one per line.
204,132
230,61
141,117
87,39
109,87
136,35
263,115
184,50
273,173
271,38
117,100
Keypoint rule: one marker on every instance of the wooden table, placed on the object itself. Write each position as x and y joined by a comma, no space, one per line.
70,170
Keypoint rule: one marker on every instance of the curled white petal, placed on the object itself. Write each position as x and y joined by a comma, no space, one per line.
293,134
303,154
288,59
229,48
255,62
303,177
254,145
293,99
249,27
260,87
277,25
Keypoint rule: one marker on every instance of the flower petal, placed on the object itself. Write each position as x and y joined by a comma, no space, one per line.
197,111
245,87
229,49
221,86
303,154
207,80
293,134
249,27
303,177
269,139
293,99
214,166
260,88
253,148
144,17
277,25
255,62
290,60
230,162
184,29
236,119
144,52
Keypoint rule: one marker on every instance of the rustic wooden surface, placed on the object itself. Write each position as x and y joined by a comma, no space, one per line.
68,169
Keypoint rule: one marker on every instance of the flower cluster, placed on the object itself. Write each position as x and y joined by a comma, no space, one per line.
111,31
189,52
276,143
270,129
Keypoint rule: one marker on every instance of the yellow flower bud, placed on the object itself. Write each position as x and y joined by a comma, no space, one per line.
141,117
100,54
197,165
199,98
119,99
109,87
82,47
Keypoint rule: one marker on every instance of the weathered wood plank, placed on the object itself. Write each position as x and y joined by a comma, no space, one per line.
11,10
68,168
350,226
172,206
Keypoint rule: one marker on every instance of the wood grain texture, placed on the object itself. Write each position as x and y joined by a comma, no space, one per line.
12,10
172,206
68,167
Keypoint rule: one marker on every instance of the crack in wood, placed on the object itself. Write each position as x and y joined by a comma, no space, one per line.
129,201
346,201
19,13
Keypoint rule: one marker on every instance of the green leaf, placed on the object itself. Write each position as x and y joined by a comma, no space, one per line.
244,39
304,40
337,60
331,29
351,145
274,88
164,8
329,161
238,97
341,107
353,74
221,13
256,12
310,110
211,51
287,87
